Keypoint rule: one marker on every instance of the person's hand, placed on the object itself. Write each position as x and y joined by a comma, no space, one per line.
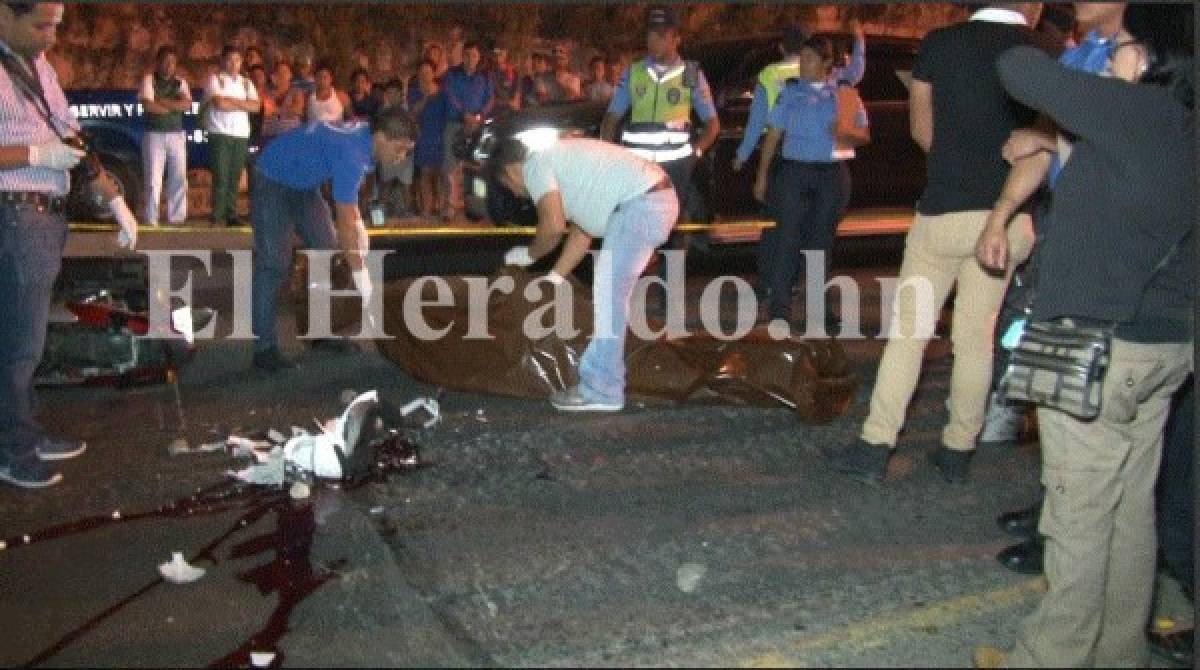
738,165
760,190
991,250
1024,142
518,256
554,278
54,155
104,187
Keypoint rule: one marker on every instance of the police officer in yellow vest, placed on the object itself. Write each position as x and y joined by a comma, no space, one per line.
660,93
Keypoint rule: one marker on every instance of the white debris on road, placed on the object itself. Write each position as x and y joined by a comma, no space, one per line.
178,570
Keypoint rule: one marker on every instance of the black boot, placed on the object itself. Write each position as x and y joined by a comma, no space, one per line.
861,460
1021,523
953,464
1025,557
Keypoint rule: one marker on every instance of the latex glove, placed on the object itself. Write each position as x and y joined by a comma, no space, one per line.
127,226
54,155
555,279
518,256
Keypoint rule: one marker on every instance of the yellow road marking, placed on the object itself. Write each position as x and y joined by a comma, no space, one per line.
873,632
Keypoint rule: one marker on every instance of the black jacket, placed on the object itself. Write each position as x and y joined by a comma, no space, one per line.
1124,199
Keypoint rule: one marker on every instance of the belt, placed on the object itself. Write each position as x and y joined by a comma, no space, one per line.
54,203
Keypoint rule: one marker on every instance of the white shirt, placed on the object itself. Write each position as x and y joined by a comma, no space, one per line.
235,123
592,177
22,124
999,15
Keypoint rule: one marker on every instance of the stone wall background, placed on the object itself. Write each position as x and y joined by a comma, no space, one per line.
110,45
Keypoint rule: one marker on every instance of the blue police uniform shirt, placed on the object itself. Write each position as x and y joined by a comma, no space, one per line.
702,100
304,158
1092,55
852,73
806,112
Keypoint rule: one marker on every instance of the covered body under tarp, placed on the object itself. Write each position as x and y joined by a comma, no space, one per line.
812,377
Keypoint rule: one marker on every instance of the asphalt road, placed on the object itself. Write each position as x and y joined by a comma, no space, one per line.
678,536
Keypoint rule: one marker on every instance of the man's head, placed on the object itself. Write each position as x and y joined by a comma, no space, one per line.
304,64
1106,17
613,67
471,57
231,59
252,56
281,75
435,53
815,59
257,74
506,166
166,59
30,28
500,56
390,135
393,92
360,81
562,56
662,33
324,76
1166,32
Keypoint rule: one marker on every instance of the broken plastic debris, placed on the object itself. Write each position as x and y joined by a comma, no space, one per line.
276,436
378,509
269,473
116,515
261,659
429,405
688,576
299,491
3,545
239,441
178,446
348,396
178,570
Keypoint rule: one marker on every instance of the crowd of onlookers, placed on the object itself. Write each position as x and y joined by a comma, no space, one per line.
452,88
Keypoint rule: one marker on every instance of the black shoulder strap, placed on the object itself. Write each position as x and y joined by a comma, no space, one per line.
31,86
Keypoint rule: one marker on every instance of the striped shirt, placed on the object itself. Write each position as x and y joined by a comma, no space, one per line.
21,124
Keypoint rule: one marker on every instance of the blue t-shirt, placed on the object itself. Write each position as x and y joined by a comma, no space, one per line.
467,93
304,158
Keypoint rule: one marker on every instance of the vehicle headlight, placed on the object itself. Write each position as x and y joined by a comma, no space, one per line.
536,139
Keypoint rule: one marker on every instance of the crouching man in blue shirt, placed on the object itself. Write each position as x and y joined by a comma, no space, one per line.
287,198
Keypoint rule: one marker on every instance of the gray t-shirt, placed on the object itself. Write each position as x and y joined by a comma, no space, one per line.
592,177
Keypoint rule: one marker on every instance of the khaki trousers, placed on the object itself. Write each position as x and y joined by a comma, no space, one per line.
939,253
1098,515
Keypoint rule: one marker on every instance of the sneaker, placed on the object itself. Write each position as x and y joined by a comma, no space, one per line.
861,460
952,463
29,473
1003,424
59,450
270,360
572,400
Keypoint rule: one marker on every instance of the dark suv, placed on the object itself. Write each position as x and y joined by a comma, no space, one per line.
888,173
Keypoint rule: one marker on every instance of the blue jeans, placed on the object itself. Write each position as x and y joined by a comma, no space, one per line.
635,230
277,212
31,245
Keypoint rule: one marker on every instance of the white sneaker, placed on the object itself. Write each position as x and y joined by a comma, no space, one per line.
1003,424
571,400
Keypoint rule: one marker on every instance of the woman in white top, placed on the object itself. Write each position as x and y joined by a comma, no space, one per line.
230,98
326,103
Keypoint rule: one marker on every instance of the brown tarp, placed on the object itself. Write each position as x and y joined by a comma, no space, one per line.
811,376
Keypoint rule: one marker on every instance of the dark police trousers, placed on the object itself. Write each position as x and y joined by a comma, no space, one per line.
806,200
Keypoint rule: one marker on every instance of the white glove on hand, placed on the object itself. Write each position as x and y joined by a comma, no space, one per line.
554,278
127,226
54,155
362,281
518,256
